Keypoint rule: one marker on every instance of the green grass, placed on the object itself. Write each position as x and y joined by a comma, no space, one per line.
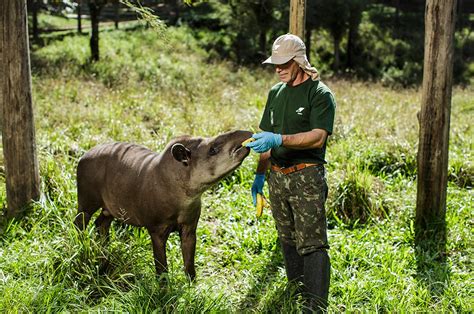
50,21
147,91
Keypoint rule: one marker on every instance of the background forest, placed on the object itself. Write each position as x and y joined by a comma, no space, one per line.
375,40
200,74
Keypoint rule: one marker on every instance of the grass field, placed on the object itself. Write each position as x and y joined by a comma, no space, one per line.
147,90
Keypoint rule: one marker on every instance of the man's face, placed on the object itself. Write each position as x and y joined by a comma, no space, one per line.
287,71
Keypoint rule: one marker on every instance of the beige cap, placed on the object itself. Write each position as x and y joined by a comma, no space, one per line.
287,47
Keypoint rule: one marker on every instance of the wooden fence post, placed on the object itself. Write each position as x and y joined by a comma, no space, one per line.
18,133
434,119
298,18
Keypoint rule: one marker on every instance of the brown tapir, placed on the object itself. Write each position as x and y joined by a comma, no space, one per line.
161,192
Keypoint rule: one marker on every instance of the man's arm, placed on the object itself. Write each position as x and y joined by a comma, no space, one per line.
305,140
264,141
263,163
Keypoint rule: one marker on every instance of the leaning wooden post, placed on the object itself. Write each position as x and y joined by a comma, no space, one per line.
297,17
18,132
434,120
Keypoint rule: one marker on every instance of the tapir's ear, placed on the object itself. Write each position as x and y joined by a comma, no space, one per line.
181,153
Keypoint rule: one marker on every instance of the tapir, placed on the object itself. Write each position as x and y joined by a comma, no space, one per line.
159,191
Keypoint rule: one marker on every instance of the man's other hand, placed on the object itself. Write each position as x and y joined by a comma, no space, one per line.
257,186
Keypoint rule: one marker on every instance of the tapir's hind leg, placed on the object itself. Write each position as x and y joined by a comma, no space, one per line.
102,223
85,210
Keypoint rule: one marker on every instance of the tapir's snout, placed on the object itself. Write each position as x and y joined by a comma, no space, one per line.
237,137
240,135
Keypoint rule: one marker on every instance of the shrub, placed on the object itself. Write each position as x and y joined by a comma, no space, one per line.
462,174
392,163
358,198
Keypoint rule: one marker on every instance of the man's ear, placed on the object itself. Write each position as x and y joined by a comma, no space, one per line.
181,153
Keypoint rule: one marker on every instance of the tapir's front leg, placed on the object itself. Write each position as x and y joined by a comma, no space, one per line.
188,248
159,236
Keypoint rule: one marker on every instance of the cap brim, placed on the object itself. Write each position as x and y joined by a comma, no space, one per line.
278,60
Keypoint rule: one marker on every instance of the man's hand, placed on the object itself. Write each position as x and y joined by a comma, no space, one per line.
257,186
265,141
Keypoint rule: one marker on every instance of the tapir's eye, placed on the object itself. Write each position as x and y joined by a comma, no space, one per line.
213,151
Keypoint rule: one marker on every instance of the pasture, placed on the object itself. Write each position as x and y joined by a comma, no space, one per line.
147,90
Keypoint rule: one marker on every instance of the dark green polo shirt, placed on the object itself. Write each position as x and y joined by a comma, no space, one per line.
290,110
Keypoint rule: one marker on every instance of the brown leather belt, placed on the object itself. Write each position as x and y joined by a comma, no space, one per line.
291,169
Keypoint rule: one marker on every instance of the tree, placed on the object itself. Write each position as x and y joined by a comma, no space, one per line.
34,6
79,16
356,7
434,122
250,23
333,15
116,13
18,132
95,6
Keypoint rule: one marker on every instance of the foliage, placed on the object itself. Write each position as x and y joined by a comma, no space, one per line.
157,91
146,14
358,38
246,28
370,40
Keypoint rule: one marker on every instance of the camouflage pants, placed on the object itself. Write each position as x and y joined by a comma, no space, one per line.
297,201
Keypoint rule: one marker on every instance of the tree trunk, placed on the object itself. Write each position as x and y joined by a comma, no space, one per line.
355,17
308,43
261,17
174,11
337,62
297,17
116,13
18,132
79,16
262,39
94,8
396,21
35,7
434,120
351,38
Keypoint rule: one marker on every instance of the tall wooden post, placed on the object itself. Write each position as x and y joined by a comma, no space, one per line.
434,119
297,17
18,132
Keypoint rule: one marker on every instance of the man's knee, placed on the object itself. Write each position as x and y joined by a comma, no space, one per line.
287,239
305,250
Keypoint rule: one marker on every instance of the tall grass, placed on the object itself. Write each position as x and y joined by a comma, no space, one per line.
146,91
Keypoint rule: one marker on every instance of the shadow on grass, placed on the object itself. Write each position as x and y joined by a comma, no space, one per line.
267,294
433,270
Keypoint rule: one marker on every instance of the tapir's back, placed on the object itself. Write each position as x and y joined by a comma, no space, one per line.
115,174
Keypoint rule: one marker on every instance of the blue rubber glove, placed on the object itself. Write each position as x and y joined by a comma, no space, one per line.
257,186
265,141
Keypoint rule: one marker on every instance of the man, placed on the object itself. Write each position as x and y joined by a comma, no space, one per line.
297,120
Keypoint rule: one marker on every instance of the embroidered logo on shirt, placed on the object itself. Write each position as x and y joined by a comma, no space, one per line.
300,111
